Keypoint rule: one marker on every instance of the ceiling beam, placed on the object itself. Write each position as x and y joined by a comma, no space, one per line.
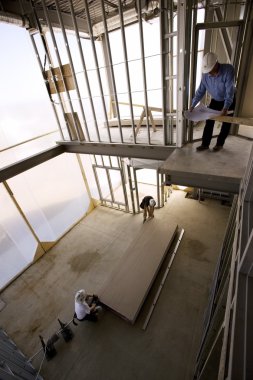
67,21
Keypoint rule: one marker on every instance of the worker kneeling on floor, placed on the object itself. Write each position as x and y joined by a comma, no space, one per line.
87,306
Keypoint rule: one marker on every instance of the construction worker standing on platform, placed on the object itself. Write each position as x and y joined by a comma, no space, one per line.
218,80
148,205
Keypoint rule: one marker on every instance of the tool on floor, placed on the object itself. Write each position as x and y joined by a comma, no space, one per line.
48,347
66,331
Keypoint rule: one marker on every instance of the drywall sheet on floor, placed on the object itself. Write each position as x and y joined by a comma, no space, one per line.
127,287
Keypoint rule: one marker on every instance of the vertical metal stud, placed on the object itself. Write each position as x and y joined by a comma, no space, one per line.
126,68
72,67
97,67
11,194
193,64
123,181
60,66
111,68
172,33
143,68
136,189
110,185
97,181
163,50
180,72
158,188
84,67
131,187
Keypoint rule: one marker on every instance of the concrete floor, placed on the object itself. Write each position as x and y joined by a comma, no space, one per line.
113,349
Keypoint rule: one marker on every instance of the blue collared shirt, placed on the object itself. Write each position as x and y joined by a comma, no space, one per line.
220,87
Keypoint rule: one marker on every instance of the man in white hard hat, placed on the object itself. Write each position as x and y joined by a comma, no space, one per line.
218,80
148,205
86,306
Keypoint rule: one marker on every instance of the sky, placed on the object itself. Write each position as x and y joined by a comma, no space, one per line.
25,109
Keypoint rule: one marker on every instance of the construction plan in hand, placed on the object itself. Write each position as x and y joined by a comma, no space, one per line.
201,112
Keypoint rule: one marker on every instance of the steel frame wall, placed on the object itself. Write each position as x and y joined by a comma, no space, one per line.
172,116
227,342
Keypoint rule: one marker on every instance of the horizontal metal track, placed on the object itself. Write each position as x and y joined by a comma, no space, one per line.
120,150
178,176
30,162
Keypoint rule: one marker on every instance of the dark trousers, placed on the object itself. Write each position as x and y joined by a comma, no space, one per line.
88,317
225,128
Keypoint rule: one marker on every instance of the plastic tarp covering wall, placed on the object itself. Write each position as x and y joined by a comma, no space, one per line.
53,197
26,111
17,244
87,164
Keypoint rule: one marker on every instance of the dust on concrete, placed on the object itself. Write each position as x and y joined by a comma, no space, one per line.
83,261
196,249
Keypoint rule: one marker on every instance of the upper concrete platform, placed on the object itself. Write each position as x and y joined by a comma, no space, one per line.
221,171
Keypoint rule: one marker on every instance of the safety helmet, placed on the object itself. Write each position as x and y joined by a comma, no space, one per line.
209,62
80,295
152,203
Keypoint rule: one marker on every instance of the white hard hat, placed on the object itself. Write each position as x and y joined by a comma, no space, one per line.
80,295
152,203
209,62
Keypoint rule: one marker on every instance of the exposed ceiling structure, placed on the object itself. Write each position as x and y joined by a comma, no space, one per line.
22,12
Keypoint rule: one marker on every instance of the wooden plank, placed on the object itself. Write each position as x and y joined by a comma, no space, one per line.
234,120
127,287
128,122
227,119
68,78
71,123
157,109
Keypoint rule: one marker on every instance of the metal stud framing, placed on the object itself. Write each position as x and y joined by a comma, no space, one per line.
167,13
72,67
109,56
144,79
231,299
163,48
107,169
84,69
126,67
60,67
97,66
167,34
180,72
41,68
44,44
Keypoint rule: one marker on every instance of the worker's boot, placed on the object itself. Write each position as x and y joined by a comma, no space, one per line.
201,147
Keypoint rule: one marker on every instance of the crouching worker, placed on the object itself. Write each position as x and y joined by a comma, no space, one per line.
148,205
86,306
